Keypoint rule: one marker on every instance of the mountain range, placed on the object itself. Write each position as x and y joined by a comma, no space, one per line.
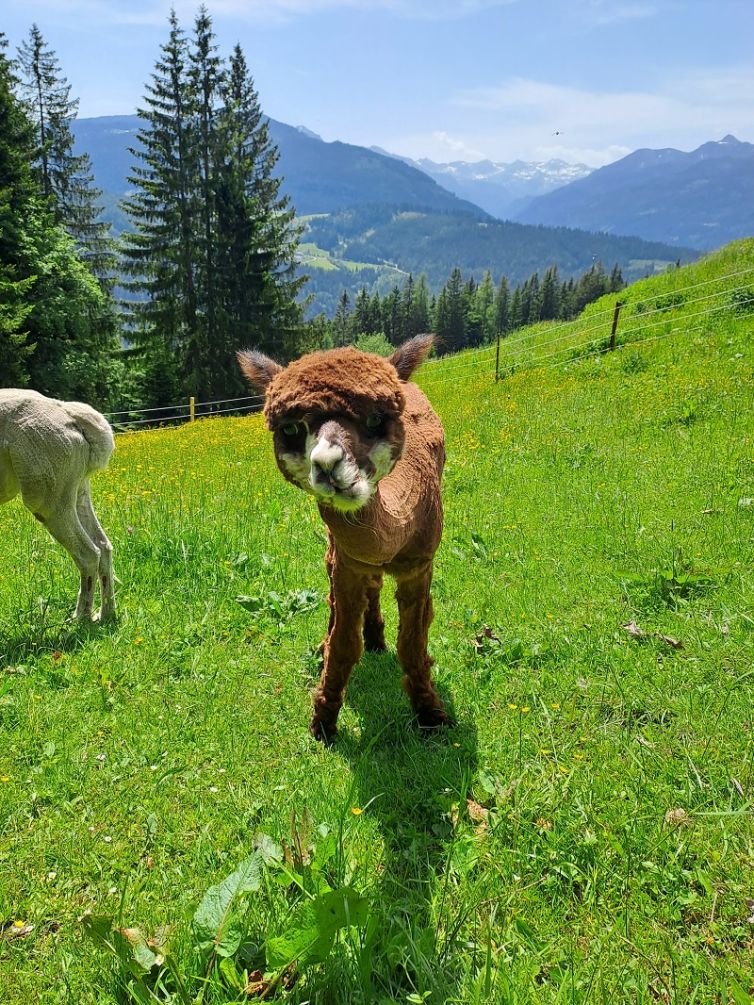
372,218
502,189
701,199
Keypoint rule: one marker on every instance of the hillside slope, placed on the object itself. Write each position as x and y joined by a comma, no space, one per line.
319,177
433,243
701,199
584,828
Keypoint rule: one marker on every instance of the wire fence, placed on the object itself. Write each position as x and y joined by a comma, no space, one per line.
647,315
187,411
514,354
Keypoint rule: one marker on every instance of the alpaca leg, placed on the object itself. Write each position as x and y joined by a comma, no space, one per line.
342,649
329,565
93,528
374,623
65,527
415,611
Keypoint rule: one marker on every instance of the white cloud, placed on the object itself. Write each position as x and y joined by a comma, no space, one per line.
531,118
456,148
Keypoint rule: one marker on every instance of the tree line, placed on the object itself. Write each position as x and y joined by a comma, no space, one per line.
208,264
465,313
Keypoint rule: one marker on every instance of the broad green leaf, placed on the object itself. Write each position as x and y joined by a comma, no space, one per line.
132,947
313,928
211,923
128,944
99,928
269,850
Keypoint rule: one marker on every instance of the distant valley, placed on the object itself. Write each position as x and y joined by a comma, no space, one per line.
372,218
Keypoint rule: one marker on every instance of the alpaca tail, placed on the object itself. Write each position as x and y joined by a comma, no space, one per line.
96,431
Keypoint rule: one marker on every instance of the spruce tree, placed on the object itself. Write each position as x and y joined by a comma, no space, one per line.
64,178
502,308
57,333
392,316
362,320
341,322
16,203
515,313
160,254
257,236
418,315
205,81
375,312
549,295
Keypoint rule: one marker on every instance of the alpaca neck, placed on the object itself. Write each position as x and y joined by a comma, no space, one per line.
380,530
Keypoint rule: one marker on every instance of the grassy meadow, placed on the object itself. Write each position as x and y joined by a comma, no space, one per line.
582,834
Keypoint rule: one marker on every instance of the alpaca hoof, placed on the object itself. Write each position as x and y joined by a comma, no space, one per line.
375,646
431,719
104,614
322,732
80,618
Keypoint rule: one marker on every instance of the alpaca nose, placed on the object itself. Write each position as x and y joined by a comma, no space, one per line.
325,458
326,455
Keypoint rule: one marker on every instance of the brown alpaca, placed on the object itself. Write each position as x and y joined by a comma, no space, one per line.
348,429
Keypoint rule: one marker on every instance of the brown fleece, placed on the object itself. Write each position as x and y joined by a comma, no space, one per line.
396,532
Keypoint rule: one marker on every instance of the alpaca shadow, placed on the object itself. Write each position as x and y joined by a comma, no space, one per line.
21,644
412,783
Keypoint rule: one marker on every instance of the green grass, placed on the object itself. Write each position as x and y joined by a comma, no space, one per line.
314,257
583,834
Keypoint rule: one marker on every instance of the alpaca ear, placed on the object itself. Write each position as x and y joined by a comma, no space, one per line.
257,368
411,354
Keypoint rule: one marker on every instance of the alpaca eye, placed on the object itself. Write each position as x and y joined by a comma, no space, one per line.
374,422
290,429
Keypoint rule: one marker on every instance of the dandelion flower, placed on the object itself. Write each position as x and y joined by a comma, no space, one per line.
357,811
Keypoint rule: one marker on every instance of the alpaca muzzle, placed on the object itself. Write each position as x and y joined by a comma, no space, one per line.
335,476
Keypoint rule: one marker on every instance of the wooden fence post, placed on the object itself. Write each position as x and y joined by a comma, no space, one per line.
497,358
614,329
192,408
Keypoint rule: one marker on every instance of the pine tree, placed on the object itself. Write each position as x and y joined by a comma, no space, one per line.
16,199
418,316
362,315
502,308
481,312
214,248
515,313
341,321
57,333
392,316
160,254
258,287
453,336
441,322
65,179
375,311
205,81
616,282
549,297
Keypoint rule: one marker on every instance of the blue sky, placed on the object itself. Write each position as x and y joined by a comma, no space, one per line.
585,80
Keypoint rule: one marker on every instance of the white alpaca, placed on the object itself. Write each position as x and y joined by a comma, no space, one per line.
48,450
